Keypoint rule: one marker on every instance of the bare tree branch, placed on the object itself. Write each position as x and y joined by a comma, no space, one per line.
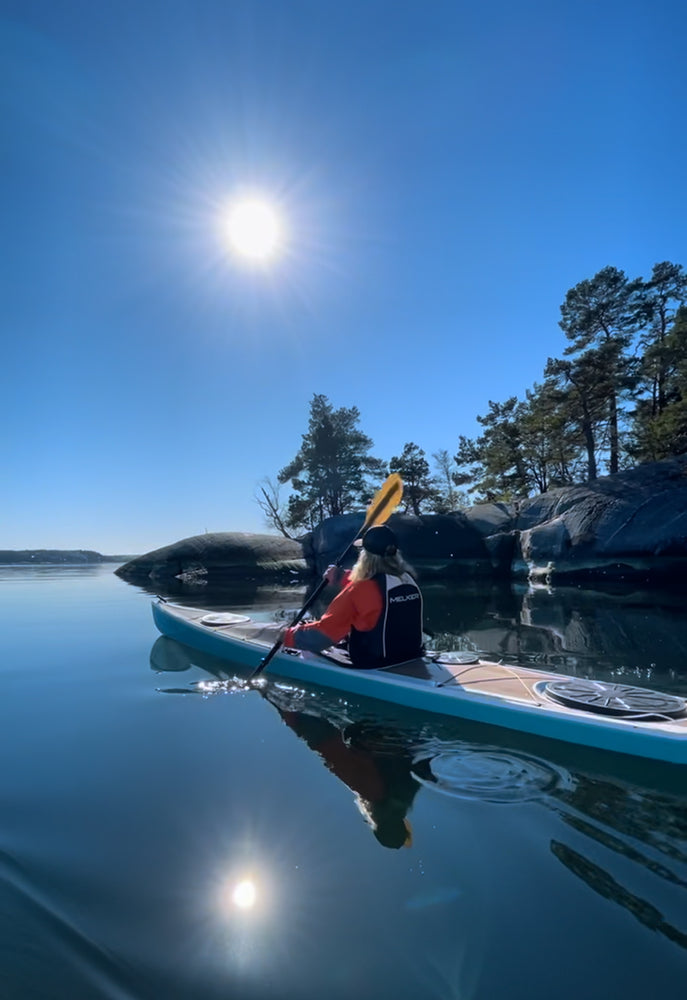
267,500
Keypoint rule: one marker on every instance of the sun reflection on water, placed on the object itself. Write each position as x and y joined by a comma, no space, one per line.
244,895
241,893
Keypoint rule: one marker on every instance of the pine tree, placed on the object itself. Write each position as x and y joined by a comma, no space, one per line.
660,299
599,317
332,473
418,486
657,434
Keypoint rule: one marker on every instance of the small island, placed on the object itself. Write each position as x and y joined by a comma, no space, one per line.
59,557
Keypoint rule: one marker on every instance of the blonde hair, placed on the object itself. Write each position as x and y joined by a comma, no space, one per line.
368,565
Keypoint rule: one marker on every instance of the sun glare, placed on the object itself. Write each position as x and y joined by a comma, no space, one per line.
254,230
244,895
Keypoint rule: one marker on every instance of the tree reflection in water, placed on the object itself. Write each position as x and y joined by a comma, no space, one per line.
604,884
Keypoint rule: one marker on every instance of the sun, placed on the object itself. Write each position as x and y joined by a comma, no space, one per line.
254,230
244,894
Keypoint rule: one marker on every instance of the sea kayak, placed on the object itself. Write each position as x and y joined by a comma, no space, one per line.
615,717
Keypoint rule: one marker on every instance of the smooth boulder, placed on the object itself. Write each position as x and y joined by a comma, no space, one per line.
434,544
219,557
629,526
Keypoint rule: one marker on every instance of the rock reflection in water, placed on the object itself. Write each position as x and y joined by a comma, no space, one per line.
625,635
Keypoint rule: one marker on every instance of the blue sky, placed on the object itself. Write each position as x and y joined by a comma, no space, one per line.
446,172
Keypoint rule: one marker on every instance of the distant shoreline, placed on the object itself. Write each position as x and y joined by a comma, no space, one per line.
57,557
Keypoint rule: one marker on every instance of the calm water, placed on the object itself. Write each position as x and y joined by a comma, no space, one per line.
136,801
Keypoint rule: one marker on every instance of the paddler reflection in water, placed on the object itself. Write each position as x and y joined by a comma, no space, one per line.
376,763
379,609
380,776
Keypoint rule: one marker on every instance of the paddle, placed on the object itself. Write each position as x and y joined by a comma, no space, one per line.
384,503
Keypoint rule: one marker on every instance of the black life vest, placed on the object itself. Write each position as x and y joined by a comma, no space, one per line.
397,636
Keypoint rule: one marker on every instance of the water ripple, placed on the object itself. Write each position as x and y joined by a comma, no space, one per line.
474,772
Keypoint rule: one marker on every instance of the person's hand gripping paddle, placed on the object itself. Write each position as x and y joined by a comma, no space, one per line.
384,503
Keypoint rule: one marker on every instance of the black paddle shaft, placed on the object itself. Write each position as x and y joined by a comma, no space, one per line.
308,604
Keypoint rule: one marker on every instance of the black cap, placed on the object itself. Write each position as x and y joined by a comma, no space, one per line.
380,541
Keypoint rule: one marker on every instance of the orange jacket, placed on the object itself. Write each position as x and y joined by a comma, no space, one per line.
358,605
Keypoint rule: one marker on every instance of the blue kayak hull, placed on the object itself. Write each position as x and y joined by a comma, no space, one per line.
500,695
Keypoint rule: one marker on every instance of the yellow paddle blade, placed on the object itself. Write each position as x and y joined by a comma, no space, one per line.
384,502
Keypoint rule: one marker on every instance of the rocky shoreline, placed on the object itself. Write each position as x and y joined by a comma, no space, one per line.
630,527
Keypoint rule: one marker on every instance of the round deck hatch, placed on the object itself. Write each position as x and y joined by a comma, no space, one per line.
614,699
224,618
455,657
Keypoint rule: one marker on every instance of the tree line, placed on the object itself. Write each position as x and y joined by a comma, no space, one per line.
616,398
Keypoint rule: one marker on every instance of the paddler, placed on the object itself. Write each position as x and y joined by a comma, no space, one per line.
379,609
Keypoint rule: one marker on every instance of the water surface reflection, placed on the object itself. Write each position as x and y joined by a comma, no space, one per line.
385,754
620,633
614,827
133,823
627,840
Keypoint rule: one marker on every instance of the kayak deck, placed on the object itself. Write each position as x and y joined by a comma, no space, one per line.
483,677
501,694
